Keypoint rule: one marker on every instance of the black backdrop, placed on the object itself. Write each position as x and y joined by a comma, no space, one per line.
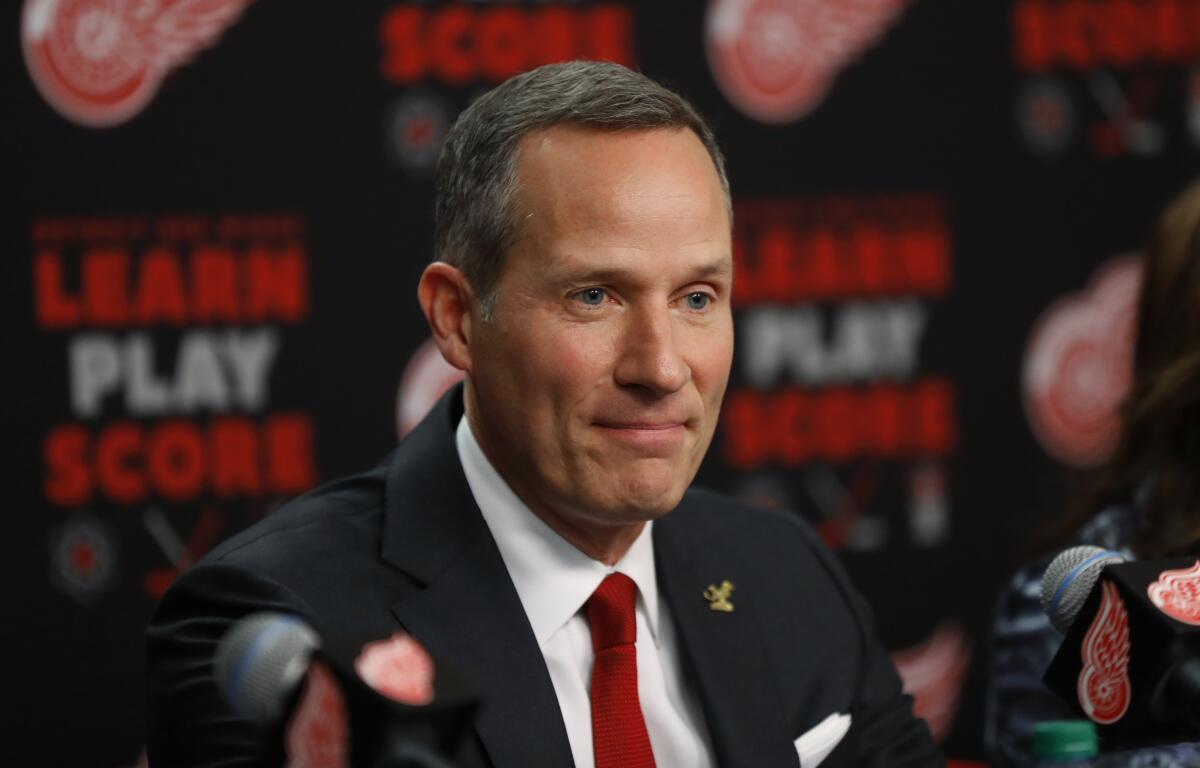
209,300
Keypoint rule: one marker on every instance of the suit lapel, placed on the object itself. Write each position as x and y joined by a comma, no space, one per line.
472,617
467,611
727,656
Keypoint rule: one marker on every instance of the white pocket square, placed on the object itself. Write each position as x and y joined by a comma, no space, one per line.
816,743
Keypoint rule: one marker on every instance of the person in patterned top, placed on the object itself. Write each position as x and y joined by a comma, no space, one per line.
1145,502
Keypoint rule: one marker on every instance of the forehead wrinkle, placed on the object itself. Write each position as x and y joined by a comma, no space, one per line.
630,190
560,271
638,205
604,238
679,225
573,247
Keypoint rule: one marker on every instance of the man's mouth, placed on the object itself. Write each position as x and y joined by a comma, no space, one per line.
653,438
651,425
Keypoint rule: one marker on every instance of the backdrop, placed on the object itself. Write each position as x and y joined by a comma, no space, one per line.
219,210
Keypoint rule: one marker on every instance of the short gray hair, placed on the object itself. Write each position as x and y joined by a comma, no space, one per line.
476,182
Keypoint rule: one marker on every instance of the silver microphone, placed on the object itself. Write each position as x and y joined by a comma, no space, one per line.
260,661
1069,580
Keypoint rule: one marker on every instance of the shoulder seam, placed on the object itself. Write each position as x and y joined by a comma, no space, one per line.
297,526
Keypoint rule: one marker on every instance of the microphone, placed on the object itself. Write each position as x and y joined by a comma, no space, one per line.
274,670
1069,579
260,662
1130,661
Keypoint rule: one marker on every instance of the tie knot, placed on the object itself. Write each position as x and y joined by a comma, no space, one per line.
610,612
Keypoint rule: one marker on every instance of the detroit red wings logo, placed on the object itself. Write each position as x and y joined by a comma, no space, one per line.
100,62
1104,689
1078,363
399,668
317,735
776,59
1177,594
933,672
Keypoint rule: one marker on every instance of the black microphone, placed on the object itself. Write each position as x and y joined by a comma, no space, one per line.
274,671
1130,661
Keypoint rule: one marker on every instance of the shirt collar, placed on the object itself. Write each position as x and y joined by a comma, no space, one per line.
552,577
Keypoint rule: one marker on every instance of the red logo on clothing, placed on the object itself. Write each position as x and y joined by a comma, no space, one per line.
1077,366
776,59
399,668
934,671
318,733
1104,689
1177,594
100,63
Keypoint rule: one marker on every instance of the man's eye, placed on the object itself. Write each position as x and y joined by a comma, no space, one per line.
593,297
698,300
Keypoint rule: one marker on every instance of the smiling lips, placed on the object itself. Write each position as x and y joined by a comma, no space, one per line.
655,438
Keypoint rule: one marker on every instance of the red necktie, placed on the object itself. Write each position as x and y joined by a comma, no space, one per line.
619,738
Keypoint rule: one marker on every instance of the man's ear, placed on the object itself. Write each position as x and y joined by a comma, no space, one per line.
446,299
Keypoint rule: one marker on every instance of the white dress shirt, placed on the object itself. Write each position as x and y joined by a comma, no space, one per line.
554,580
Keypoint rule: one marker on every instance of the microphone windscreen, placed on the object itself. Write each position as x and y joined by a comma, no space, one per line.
260,661
1069,579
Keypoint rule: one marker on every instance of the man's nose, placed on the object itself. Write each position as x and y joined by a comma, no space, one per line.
650,355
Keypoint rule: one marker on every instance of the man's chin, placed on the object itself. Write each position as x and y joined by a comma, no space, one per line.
645,501
622,491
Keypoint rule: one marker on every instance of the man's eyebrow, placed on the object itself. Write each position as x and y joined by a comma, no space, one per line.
722,267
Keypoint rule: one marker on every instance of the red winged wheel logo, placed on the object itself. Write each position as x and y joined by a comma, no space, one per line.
318,733
1177,594
1104,689
776,59
399,668
100,62
1077,365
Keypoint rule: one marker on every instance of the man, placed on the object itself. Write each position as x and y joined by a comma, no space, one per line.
536,531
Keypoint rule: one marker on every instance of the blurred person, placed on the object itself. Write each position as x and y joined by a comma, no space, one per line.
582,283
1144,504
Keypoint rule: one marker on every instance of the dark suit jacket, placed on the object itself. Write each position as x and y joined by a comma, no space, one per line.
404,546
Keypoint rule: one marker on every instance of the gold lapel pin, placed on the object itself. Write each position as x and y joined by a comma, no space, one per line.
718,597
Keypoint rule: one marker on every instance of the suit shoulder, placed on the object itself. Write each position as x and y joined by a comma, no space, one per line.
344,513
779,541
756,525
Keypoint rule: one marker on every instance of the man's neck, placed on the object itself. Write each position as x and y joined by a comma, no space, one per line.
607,545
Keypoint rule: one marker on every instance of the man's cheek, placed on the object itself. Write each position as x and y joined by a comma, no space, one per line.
573,370
715,356
587,344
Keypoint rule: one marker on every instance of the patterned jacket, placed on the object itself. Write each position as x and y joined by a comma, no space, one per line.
1023,644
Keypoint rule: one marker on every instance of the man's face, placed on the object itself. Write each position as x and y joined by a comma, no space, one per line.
596,386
